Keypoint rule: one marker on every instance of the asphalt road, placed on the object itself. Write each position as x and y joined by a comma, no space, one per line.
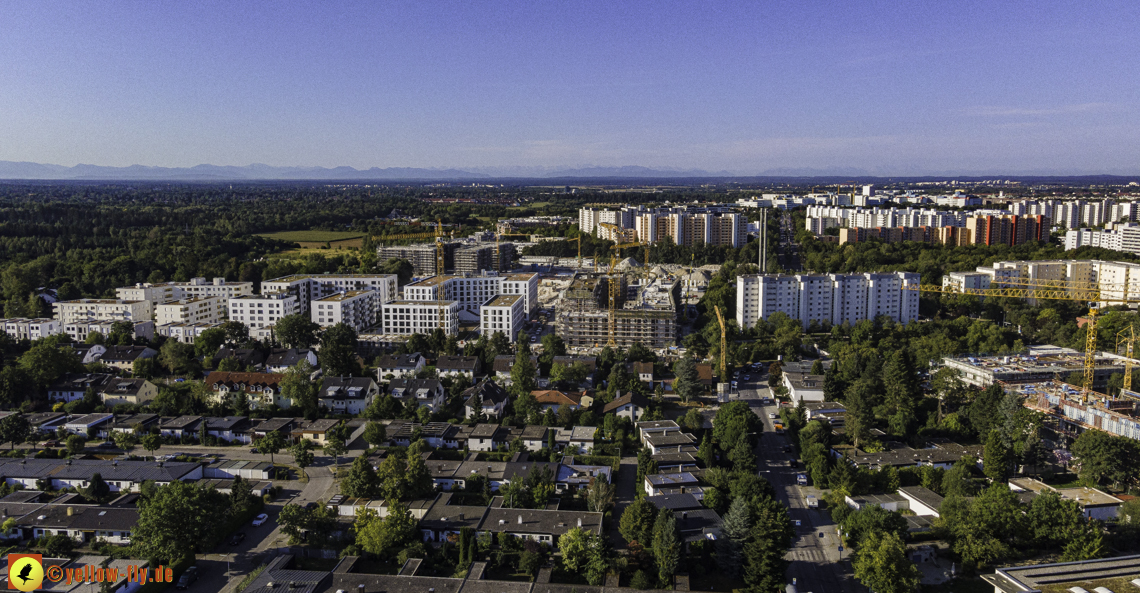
816,564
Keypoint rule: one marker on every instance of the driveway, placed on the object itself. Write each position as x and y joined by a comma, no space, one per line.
626,491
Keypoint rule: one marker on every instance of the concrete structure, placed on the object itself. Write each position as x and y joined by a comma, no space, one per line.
470,291
262,311
356,308
406,317
184,332
1089,574
808,388
86,310
1094,503
79,330
205,309
650,318
834,298
31,329
311,287
504,314
422,256
157,294
1040,364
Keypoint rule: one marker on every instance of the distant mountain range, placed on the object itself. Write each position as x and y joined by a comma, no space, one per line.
259,172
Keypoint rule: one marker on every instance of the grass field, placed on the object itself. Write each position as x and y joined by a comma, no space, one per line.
321,237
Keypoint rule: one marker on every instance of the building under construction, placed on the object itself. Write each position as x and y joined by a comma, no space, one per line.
1070,412
422,256
1042,363
648,318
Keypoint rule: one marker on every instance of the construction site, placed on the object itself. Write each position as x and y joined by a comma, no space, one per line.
643,312
1041,363
1070,410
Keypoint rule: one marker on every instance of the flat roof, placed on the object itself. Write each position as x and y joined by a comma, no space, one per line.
1024,578
431,281
433,303
503,300
340,296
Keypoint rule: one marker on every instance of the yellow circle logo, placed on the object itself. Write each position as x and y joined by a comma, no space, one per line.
25,571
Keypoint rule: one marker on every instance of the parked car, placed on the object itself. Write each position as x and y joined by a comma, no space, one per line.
50,443
312,505
253,450
187,578
260,520
237,538
106,445
772,415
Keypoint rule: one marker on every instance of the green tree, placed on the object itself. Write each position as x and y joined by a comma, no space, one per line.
125,441
207,344
296,331
666,545
600,494
402,268
338,351
335,443
1107,459
15,429
383,537
735,528
16,386
638,519
145,368
707,452
176,520
76,444
687,384
996,461
375,434
302,453
178,358
97,490
734,421
523,372
300,389
881,564
361,480
271,443
151,443
764,563
46,361
574,546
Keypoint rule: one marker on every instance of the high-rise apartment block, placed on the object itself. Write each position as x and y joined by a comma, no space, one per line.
405,317
470,291
311,287
832,298
259,311
82,310
422,257
505,313
206,309
355,308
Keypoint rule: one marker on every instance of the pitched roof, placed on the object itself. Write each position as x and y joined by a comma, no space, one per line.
558,398
488,390
126,353
590,361
504,362
705,372
457,363
124,387
80,382
232,380
405,361
346,387
286,357
630,398
247,356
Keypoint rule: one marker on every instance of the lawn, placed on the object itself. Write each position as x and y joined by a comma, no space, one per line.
312,236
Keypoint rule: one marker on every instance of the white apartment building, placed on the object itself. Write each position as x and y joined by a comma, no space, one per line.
184,332
589,218
472,290
833,298
691,228
79,330
356,308
311,287
406,317
31,329
505,313
263,310
1114,279
166,292
207,309
83,310
1122,237
967,280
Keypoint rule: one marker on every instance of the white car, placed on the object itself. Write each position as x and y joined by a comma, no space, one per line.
771,415
260,520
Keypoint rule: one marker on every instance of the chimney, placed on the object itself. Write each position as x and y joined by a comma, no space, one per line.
579,522
685,516
520,516
70,511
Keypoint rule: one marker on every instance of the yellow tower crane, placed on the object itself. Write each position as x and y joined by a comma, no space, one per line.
723,346
1094,294
614,288
1127,338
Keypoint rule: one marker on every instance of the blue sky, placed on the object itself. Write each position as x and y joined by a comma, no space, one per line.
890,87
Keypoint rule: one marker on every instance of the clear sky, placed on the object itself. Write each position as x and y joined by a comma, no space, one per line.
891,87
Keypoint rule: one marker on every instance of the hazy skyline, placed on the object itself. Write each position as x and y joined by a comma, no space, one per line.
891,88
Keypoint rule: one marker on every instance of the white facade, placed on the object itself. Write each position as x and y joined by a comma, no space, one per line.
157,294
470,291
355,308
185,332
407,317
82,310
207,309
308,288
31,329
79,330
967,280
834,298
590,218
503,314
261,311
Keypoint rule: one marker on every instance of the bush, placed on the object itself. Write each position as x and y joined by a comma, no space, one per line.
56,545
529,562
641,580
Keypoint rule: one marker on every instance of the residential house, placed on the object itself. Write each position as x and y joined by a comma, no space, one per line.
124,476
487,397
72,386
248,358
46,421
229,428
347,395
503,365
679,483
262,389
803,387
443,520
82,523
553,400
89,353
1095,504
643,371
705,373
630,405
654,427
578,440
283,359
124,357
541,525
669,441
394,367
590,362
88,424
180,426
316,431
128,391
486,437
426,392
264,427
534,437
676,502
453,366
128,423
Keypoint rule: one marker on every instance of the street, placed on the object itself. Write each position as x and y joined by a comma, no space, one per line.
815,557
